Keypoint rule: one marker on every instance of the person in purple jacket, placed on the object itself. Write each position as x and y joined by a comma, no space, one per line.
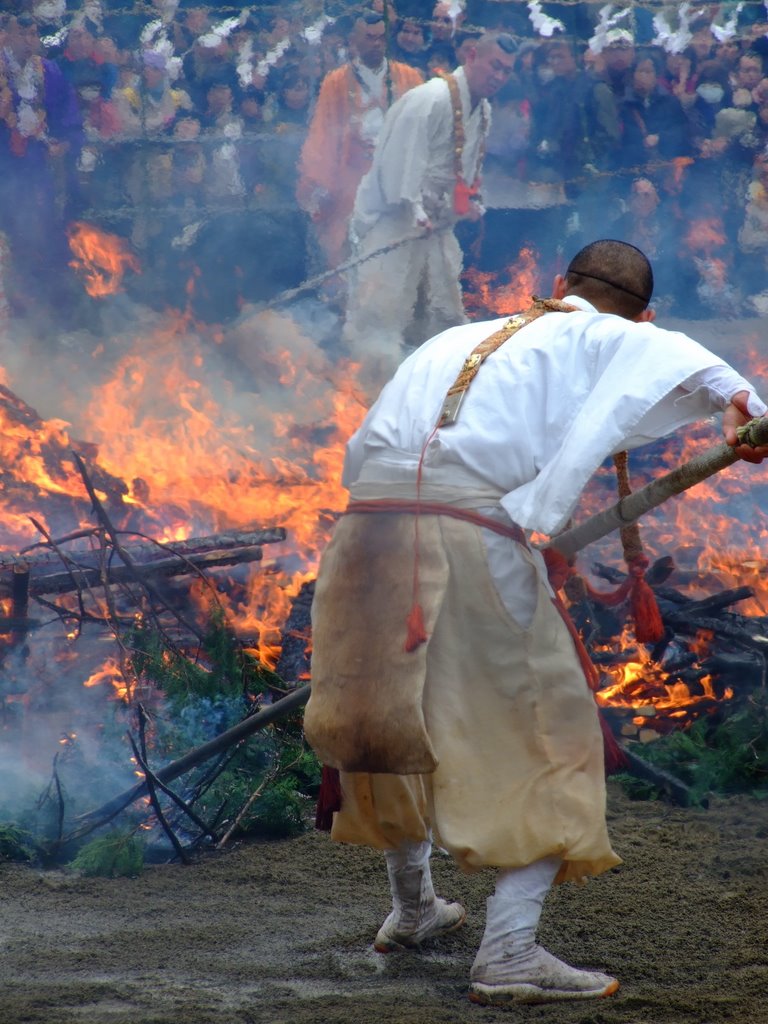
40,141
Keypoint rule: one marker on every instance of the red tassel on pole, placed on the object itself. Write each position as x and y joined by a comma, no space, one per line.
649,628
642,601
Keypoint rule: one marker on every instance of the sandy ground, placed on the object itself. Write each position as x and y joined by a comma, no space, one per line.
281,932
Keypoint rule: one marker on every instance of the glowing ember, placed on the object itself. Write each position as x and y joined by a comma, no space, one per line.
111,675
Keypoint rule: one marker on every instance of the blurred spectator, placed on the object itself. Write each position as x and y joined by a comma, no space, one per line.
447,17
713,92
333,51
727,53
152,105
655,127
746,77
40,145
727,155
644,224
618,62
576,132
222,131
293,96
209,62
702,41
706,268
753,239
410,45
679,76
464,41
85,66
219,110
192,21
345,125
527,59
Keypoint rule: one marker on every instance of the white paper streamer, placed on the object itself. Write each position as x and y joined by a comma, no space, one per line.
542,23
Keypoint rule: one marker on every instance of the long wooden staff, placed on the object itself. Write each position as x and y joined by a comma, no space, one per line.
199,755
627,510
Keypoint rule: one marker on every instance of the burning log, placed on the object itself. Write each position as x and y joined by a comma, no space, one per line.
716,602
19,603
182,557
48,443
743,634
630,508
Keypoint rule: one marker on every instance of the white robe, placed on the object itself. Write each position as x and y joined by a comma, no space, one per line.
544,411
413,175
414,159
511,769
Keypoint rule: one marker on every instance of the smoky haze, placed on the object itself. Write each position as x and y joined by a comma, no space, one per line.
182,126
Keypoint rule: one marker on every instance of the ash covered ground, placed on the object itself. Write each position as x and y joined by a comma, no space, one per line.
281,933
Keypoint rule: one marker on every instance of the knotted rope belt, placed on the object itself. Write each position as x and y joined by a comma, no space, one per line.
439,508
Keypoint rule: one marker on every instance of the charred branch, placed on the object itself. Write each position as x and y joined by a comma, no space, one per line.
45,581
150,779
199,755
140,577
673,788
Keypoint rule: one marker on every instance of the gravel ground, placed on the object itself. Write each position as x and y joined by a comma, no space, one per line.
281,932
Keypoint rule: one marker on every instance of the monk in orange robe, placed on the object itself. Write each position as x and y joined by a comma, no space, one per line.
345,125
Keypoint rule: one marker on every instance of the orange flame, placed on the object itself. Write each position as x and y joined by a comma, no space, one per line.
102,258
111,674
485,295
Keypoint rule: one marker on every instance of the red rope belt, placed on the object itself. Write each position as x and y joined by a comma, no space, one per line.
437,508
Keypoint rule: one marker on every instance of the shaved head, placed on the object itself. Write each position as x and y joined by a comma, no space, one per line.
614,276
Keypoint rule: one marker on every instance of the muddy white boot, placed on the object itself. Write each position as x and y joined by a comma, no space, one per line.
417,914
510,967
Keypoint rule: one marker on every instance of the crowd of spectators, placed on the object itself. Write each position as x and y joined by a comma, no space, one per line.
178,125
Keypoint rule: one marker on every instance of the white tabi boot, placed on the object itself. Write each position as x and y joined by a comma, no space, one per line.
417,914
510,967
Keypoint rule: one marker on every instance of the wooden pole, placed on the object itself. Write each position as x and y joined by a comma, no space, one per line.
295,699
754,433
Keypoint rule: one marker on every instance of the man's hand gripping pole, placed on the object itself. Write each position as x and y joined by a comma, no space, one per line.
751,436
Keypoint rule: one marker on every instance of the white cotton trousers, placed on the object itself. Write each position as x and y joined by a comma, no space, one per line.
385,291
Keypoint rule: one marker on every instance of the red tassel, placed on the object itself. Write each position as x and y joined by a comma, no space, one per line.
417,631
558,568
614,758
649,628
328,799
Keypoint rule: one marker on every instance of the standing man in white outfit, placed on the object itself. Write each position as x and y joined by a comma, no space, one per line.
425,176
446,687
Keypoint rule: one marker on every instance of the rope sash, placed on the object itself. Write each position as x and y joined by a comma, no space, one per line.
452,403
463,191
438,508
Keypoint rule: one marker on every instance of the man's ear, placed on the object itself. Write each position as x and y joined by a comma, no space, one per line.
559,289
646,317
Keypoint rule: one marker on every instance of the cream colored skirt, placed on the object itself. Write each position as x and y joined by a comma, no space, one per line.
502,713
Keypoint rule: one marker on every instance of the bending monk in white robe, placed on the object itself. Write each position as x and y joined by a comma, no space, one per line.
485,735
